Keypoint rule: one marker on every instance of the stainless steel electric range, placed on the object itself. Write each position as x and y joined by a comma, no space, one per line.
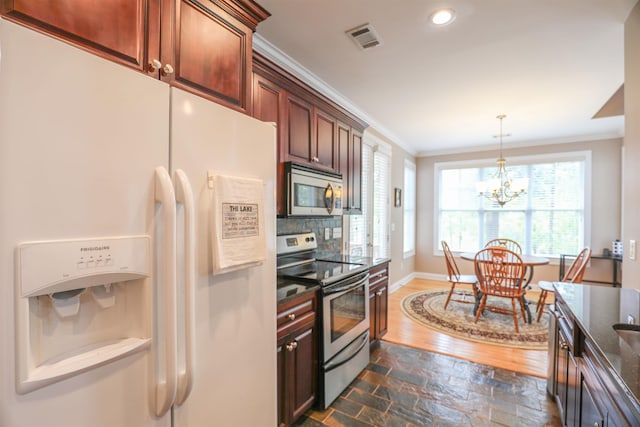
344,289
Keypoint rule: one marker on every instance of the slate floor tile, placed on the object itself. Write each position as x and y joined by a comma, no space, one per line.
407,387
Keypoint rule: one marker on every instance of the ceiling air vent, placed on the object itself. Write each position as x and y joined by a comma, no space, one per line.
364,36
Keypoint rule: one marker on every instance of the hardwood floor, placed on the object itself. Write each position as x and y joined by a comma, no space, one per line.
403,330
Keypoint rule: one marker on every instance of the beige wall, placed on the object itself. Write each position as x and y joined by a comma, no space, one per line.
605,204
631,162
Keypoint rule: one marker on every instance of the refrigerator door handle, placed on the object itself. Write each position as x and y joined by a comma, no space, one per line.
167,338
184,195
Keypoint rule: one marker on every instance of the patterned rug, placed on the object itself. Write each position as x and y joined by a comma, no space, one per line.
427,308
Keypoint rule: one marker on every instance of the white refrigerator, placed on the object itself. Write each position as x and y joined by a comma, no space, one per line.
110,312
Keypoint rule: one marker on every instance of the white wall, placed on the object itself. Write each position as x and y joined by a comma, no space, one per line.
631,161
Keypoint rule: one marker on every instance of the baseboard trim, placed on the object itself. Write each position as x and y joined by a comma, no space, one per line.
416,275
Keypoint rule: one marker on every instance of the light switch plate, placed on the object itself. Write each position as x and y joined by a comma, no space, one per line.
327,233
632,249
337,232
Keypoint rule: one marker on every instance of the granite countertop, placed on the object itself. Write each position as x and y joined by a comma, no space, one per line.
597,309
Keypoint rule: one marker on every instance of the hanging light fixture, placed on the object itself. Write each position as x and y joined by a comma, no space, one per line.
501,189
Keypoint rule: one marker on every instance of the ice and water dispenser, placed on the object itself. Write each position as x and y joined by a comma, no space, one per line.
79,304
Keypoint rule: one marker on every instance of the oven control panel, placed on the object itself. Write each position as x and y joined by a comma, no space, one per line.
291,243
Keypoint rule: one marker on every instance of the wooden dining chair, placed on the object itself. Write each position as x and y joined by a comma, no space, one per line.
455,278
500,273
510,244
573,275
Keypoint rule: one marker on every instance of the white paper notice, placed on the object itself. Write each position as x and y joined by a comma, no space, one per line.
238,223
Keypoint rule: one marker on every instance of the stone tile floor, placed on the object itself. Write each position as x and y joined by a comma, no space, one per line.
407,387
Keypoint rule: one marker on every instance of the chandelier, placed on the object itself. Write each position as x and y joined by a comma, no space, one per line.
501,189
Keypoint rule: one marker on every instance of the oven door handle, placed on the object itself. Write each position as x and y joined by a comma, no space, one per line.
342,359
334,289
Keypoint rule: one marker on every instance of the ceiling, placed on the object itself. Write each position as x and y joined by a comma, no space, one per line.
549,65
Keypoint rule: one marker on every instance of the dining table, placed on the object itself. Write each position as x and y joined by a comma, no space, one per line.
529,261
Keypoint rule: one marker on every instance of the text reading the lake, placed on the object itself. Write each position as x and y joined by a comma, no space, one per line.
240,220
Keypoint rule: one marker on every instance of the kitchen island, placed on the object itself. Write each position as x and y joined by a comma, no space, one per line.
595,373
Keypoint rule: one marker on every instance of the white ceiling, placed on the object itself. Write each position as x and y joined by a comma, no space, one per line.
549,65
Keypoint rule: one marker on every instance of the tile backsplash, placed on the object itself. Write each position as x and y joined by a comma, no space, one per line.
317,225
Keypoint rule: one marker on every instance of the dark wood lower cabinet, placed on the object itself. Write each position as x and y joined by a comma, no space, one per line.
378,299
584,390
297,350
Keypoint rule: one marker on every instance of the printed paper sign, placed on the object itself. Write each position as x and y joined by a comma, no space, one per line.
239,220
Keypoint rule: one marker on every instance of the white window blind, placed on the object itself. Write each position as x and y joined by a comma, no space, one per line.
359,225
550,219
369,232
381,184
409,210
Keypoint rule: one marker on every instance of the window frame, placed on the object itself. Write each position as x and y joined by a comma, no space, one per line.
582,155
409,196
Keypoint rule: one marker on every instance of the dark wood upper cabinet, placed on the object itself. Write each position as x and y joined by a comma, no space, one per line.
325,149
201,46
312,129
298,139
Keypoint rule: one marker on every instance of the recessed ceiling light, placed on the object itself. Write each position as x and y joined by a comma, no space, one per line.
443,17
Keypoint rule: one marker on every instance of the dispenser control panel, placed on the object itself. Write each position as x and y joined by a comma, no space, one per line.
47,267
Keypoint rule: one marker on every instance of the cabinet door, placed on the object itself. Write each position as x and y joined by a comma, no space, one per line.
304,362
562,371
372,315
114,29
382,297
211,53
573,389
298,137
590,415
326,146
281,379
268,106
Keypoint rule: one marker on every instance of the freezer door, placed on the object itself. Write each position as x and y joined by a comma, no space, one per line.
80,138
234,379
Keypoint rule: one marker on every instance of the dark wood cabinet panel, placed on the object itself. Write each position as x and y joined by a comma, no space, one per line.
268,106
325,148
378,300
298,139
297,346
304,386
355,173
204,47
116,29
212,54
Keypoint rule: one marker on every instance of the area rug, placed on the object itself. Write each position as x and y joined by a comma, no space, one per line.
427,308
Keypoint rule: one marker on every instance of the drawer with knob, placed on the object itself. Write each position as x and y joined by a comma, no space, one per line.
296,312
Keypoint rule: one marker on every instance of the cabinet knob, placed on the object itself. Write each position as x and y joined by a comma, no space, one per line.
379,293
292,316
167,69
154,65
292,346
564,345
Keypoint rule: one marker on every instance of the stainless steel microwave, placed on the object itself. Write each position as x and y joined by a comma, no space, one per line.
312,192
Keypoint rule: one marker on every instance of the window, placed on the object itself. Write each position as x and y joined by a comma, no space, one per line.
409,210
369,232
550,219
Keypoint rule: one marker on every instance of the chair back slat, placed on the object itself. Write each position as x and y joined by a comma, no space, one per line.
452,267
500,271
512,245
577,268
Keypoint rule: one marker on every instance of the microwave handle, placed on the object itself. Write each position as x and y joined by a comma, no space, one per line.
330,204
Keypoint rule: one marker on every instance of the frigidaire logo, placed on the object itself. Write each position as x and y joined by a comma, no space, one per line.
95,248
